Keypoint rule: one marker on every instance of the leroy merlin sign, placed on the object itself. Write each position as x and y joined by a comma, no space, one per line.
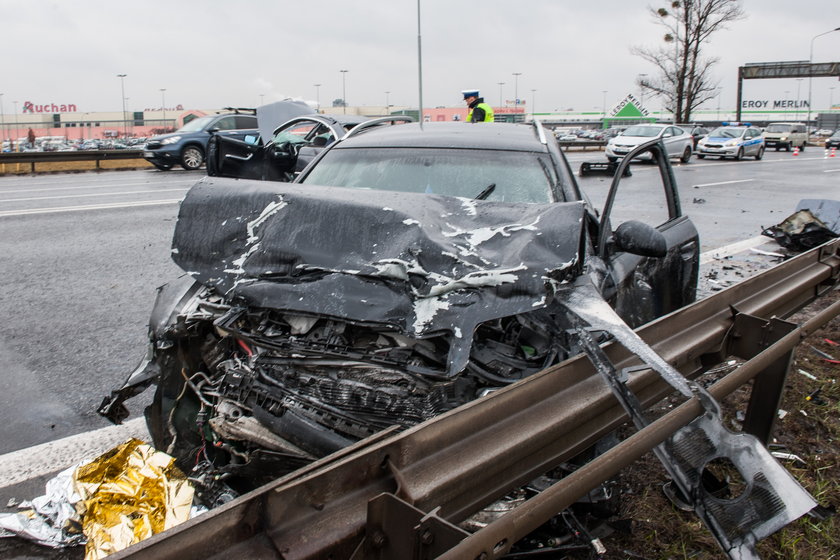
629,108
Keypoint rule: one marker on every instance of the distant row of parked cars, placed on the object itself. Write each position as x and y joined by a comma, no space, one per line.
732,140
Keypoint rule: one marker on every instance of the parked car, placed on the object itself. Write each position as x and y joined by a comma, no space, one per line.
697,132
187,146
678,141
408,270
785,135
833,141
736,142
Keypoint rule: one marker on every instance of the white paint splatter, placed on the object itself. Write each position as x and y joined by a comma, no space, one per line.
268,211
425,310
478,236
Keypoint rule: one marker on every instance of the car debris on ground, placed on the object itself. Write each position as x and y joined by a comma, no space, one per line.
118,499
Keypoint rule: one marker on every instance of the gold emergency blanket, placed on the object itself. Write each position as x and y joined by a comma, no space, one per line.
129,494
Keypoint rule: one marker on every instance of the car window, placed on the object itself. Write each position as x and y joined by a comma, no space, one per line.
643,131
196,124
226,123
517,176
779,128
306,132
246,121
677,131
725,132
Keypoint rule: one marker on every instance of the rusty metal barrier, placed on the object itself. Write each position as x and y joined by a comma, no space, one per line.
96,156
400,495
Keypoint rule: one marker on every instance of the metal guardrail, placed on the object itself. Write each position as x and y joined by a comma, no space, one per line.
97,156
393,489
582,144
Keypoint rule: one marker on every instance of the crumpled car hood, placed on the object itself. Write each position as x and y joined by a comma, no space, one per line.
420,263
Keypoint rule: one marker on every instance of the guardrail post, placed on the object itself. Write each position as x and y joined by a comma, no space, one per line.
748,337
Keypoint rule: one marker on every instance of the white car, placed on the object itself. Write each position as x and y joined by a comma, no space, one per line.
678,142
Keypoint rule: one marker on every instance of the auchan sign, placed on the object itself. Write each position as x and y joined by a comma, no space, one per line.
29,107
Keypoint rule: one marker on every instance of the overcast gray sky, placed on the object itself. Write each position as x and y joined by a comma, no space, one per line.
215,53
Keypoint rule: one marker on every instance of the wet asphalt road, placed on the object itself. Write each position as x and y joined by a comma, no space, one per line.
78,285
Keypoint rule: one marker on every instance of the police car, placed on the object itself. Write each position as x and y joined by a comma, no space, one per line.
735,140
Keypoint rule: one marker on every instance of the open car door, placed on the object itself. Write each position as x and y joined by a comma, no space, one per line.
650,249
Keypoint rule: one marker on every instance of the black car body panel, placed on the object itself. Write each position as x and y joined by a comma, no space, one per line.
422,264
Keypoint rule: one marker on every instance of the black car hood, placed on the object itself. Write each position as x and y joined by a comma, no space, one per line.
422,264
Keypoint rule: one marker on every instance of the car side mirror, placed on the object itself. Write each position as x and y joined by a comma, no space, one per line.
641,239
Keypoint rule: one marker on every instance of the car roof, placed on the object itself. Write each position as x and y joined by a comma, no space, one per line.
495,136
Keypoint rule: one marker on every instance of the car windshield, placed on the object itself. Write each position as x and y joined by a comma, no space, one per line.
727,132
196,124
517,176
643,131
779,128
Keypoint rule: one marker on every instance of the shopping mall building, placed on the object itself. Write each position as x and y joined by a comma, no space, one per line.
65,120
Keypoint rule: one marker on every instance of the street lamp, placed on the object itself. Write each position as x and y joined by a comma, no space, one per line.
262,97
830,98
604,115
344,89
387,104
318,96
17,132
810,61
163,105
533,104
798,85
122,89
516,87
500,93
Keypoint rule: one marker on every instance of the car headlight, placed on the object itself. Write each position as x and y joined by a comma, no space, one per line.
171,140
701,142
731,143
783,138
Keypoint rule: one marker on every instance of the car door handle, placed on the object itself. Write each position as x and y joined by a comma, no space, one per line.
240,158
688,250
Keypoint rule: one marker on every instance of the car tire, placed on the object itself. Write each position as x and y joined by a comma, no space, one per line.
740,155
191,158
760,153
802,149
162,167
701,156
787,147
686,156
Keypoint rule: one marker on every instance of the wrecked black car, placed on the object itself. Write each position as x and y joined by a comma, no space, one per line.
408,270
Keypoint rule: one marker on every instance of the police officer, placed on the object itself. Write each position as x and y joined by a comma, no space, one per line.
479,110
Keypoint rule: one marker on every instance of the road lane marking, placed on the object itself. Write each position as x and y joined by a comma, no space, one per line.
87,207
105,186
724,183
733,249
53,456
89,195
832,171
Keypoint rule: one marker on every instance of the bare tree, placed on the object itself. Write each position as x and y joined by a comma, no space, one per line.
685,81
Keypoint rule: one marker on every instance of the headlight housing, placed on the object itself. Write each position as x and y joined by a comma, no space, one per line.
171,140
